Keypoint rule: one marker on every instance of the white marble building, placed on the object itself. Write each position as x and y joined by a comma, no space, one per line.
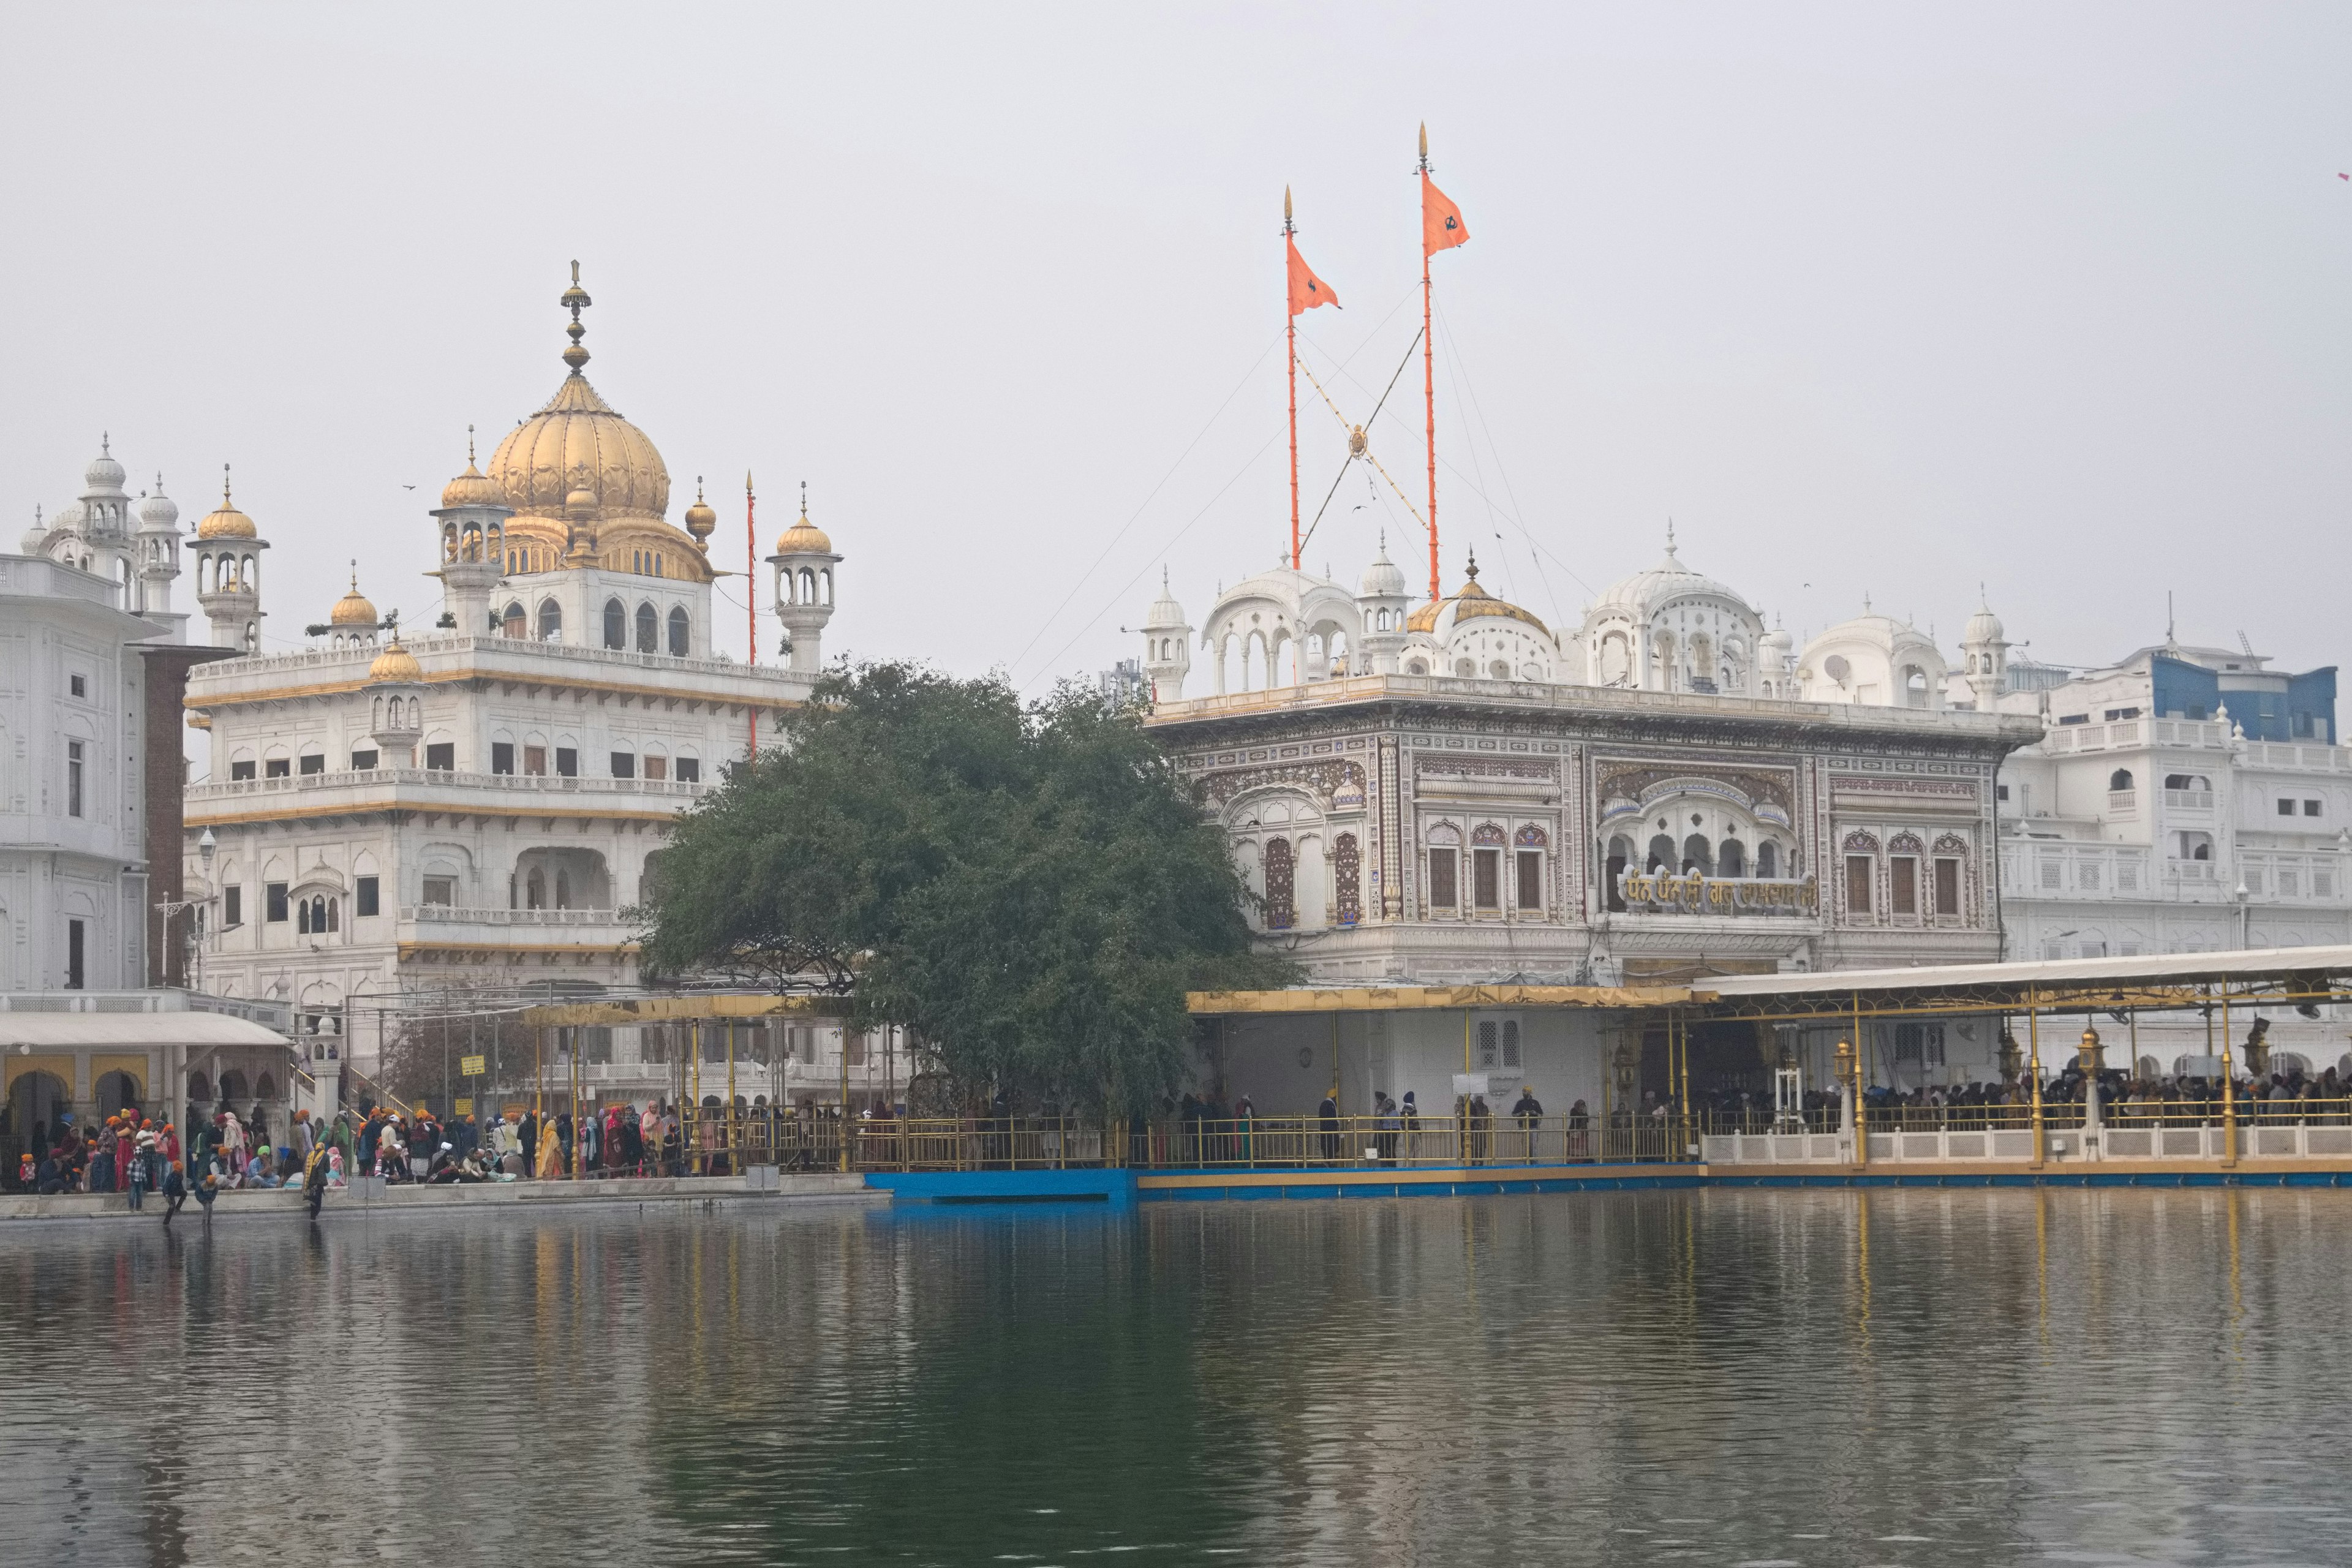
470,809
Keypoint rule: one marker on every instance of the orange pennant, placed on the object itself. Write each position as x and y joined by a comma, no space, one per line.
1307,290
1442,227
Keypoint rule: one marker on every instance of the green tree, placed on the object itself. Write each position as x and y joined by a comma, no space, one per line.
1029,889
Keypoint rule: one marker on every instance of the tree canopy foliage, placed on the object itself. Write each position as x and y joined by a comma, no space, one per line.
1028,889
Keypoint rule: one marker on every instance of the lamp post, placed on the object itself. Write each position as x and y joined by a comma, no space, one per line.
2092,1060
1847,1121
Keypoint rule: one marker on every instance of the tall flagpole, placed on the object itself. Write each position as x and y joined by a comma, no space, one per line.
1429,375
752,595
1290,330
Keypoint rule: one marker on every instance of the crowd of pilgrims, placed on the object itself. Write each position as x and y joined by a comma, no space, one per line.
2287,1096
131,1153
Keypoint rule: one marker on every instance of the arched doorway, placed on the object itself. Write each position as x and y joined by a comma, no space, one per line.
35,1100
232,1088
117,1091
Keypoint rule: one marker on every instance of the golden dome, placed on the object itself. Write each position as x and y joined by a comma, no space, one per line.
1471,604
804,538
577,442
225,521
395,663
353,609
472,487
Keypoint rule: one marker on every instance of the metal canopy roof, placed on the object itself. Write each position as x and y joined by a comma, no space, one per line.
131,1031
2074,974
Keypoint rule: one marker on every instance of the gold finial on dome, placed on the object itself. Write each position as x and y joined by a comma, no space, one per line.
225,521
700,520
573,298
353,609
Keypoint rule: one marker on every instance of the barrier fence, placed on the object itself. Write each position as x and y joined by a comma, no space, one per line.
715,1140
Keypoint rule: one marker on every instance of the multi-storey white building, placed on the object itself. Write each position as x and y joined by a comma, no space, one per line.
470,809
2185,799
91,666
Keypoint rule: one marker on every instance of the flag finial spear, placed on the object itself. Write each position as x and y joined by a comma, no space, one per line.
1424,146
1286,209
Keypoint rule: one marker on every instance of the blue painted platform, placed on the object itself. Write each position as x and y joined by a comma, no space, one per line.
1115,1188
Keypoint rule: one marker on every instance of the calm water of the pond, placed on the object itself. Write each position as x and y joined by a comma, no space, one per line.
1724,1377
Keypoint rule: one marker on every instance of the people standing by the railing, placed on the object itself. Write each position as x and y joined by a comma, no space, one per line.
563,1166
1385,1129
1528,1112
1327,1118
1408,1116
1482,1121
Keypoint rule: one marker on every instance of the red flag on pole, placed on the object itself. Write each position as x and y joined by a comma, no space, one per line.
1307,290
1442,227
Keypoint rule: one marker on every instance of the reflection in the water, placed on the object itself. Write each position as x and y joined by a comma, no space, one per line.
1818,1377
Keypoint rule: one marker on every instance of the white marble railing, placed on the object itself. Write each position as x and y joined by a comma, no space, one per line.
384,779
2085,870
452,915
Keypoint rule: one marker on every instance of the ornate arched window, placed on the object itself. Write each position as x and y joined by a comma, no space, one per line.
617,624
1347,866
648,629
1281,889
550,621
679,643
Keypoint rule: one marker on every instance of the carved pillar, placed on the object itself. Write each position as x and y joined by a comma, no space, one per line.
1391,811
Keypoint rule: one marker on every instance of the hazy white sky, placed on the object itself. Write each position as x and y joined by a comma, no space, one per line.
1883,299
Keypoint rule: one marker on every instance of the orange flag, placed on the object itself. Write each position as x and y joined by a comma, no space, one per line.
1307,290
1442,227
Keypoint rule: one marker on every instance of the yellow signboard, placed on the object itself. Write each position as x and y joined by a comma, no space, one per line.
473,1067
465,1106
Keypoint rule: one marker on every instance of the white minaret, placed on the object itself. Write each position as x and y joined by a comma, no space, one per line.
395,687
804,563
158,551
473,517
1167,645
1984,652
228,574
1383,603
106,522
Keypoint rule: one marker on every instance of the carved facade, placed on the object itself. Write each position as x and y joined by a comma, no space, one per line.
1438,829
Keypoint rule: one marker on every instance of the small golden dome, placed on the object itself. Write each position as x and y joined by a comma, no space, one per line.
804,538
395,663
225,521
353,609
700,520
1471,604
472,487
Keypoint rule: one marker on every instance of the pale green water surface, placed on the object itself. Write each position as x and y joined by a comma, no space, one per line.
1725,1377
